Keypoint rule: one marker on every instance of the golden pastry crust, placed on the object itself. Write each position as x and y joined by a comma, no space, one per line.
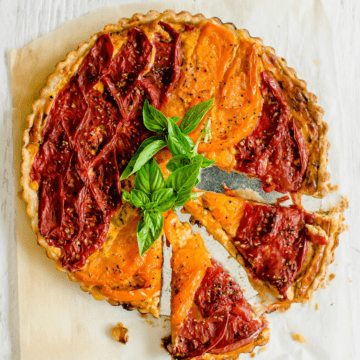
67,68
315,267
261,340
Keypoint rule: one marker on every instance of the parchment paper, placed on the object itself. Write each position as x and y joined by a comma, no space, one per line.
58,320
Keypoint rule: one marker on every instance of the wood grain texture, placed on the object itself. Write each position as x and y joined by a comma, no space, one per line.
23,21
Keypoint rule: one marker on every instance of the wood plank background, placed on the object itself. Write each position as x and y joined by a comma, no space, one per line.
22,21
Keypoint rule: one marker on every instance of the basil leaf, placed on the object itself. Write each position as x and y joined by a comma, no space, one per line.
146,151
149,223
195,114
177,142
154,120
207,162
175,118
177,162
148,232
149,178
155,222
126,196
138,198
183,180
164,199
149,206
144,237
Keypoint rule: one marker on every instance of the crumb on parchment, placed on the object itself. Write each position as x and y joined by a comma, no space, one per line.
299,338
317,307
332,188
332,277
262,349
252,355
120,333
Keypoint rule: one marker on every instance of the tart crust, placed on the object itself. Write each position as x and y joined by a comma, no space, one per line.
315,266
67,68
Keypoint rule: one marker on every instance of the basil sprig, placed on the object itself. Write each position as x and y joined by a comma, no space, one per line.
152,194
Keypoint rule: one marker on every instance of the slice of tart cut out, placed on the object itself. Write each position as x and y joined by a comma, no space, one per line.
284,250
119,274
210,319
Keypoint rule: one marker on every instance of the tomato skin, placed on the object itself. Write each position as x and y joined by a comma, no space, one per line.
220,319
273,241
275,151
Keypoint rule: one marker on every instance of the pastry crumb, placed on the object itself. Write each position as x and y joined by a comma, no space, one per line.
263,349
120,333
349,279
299,338
332,188
331,277
317,307
252,355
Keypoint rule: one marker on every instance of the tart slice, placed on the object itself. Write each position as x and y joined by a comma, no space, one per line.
210,319
119,274
284,250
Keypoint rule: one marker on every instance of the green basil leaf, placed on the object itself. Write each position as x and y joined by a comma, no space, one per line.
148,232
165,206
126,196
150,206
207,162
177,142
149,178
154,120
144,236
175,118
155,221
190,142
146,151
162,195
149,223
195,114
138,198
177,162
183,180
164,199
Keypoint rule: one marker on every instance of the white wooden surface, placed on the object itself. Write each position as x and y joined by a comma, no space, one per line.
21,21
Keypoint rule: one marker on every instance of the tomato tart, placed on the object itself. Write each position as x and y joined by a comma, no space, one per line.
88,124
285,251
210,319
